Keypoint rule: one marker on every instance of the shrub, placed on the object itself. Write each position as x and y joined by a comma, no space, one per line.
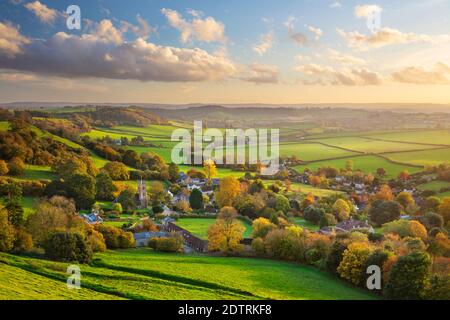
258,247
286,245
438,288
353,262
173,243
327,220
67,247
116,238
261,227
408,277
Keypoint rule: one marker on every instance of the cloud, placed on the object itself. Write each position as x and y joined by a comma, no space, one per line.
388,36
335,5
103,54
439,74
302,58
44,13
11,41
365,11
261,73
343,58
316,31
265,44
326,75
142,30
205,30
297,37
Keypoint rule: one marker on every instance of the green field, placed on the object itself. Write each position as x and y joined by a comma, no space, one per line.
312,151
435,186
306,224
33,172
27,204
364,163
199,226
370,146
431,137
428,157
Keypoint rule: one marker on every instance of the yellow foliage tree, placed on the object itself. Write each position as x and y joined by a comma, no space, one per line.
341,209
385,193
352,264
444,209
229,189
209,167
226,233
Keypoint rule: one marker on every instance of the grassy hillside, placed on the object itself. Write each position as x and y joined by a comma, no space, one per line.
145,274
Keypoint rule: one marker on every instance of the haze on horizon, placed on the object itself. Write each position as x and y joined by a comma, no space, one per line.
227,52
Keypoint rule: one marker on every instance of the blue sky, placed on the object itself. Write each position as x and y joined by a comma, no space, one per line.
233,51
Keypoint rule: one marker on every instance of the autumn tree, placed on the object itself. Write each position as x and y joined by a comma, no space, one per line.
174,172
404,175
229,189
16,166
261,227
117,170
6,231
385,193
3,168
209,167
405,199
444,209
353,261
226,233
341,209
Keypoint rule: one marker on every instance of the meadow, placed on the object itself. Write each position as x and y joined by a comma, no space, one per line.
145,274
424,158
199,226
366,164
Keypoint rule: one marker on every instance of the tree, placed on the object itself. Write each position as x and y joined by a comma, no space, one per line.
68,247
6,231
431,204
174,172
3,168
381,172
408,277
341,209
81,187
229,189
115,238
282,203
226,233
444,209
209,167
127,199
261,227
353,261
439,246
196,199
131,158
327,220
385,193
349,165
117,170
406,228
15,214
381,212
404,175
105,187
16,166
313,214
405,199
117,207
157,193
65,167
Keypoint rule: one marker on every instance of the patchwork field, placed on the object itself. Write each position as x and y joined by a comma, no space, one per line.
199,226
428,157
435,186
431,137
312,151
364,163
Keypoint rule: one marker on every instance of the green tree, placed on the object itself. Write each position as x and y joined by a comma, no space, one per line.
117,170
81,187
105,187
282,203
196,199
381,212
127,199
408,277
174,172
68,247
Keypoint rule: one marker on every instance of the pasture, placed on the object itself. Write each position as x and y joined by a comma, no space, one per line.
199,226
366,164
424,158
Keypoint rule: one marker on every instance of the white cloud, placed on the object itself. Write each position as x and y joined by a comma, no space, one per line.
297,37
316,31
261,73
142,30
104,54
265,44
388,36
335,5
11,41
205,30
326,75
44,13
343,58
302,58
439,74
364,11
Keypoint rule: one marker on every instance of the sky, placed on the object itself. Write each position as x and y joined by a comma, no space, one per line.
226,51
